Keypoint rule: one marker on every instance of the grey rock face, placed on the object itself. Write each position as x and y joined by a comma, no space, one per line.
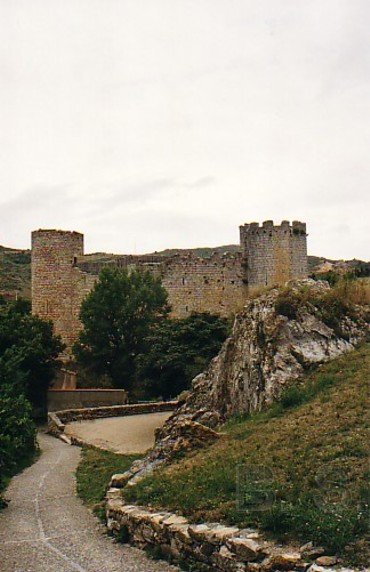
265,352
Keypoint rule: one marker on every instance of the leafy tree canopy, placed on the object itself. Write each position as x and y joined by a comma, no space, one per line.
29,348
117,316
178,350
28,354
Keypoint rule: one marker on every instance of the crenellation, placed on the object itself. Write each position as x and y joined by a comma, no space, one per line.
273,254
62,277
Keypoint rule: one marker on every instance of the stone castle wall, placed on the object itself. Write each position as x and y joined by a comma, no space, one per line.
273,254
58,285
62,277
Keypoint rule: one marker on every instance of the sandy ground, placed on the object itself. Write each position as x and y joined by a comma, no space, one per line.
46,528
131,434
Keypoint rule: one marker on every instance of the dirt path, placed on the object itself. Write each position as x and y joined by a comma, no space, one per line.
131,434
46,528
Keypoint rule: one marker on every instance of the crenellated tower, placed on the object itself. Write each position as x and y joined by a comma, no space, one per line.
62,277
273,254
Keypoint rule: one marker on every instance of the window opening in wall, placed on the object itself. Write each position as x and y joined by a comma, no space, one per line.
74,261
186,308
183,281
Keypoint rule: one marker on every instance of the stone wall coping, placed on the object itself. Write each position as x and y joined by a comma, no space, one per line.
214,546
58,419
87,390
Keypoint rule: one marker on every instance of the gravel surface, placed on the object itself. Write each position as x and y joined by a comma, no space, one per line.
46,528
131,434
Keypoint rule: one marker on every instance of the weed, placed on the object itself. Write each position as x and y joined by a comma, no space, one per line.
95,470
123,535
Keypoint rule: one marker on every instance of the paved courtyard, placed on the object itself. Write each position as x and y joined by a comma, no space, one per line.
130,434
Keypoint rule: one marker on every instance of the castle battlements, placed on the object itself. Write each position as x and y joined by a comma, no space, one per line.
62,276
268,225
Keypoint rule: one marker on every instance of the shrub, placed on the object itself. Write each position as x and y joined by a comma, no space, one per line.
17,430
286,307
330,306
28,345
178,350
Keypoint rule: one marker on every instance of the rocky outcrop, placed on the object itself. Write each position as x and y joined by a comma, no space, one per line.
266,351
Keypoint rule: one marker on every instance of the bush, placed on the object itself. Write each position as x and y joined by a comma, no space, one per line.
28,345
28,352
17,430
178,350
330,306
286,306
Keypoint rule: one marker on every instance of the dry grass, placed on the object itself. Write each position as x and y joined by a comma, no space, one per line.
355,291
325,435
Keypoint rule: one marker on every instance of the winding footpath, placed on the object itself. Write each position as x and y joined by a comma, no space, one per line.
46,528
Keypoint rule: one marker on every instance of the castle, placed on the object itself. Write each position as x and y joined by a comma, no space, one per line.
62,276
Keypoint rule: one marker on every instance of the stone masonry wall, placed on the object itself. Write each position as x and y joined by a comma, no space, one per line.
273,254
212,284
58,286
61,277
59,399
194,284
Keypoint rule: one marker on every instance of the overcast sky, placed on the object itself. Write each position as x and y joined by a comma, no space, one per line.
149,124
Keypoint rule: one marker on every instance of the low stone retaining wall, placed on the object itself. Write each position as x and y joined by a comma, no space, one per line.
208,546
58,419
62,399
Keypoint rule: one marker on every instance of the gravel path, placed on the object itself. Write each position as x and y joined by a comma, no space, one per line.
46,528
131,434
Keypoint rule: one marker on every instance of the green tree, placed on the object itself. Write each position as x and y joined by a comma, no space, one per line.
117,317
17,429
178,350
28,342
28,357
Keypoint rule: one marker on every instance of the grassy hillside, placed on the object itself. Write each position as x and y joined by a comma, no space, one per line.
15,272
302,465
203,252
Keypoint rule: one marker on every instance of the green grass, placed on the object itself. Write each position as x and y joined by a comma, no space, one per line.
94,473
309,453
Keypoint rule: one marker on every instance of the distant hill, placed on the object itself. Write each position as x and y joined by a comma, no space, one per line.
15,265
15,272
203,252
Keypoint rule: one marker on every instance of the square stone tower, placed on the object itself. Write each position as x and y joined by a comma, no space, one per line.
273,254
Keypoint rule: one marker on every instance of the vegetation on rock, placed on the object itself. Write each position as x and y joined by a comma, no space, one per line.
310,451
